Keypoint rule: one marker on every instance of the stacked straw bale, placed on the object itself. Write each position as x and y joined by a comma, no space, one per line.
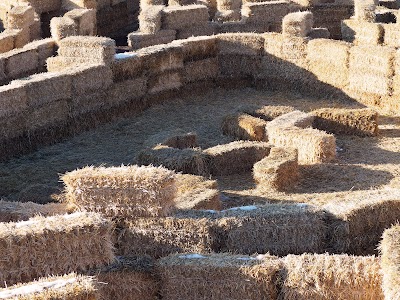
183,232
329,61
218,276
236,157
128,278
356,225
297,24
361,122
271,12
178,17
208,29
61,28
362,32
20,62
122,191
390,250
138,40
176,138
227,16
244,127
67,287
45,48
391,35
277,229
323,276
364,10
85,21
319,33
150,19
54,245
278,171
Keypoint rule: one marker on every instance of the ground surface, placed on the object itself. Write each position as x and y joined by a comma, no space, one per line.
364,166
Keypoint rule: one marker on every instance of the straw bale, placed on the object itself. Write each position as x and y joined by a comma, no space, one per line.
191,161
21,62
35,30
364,10
89,102
319,33
323,276
93,49
127,65
146,3
391,35
127,91
229,5
292,118
218,276
22,211
6,41
159,237
138,40
43,6
3,75
50,114
361,122
89,78
61,64
150,19
67,287
45,48
270,112
297,24
68,5
13,99
160,59
121,191
356,225
85,21
239,65
211,6
236,157
22,38
13,126
269,11
129,278
209,28
389,248
240,43
361,32
19,17
279,229
200,70
244,127
62,27
227,16
278,171
176,138
165,82
54,245
177,17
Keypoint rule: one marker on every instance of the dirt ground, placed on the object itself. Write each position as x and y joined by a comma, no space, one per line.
364,167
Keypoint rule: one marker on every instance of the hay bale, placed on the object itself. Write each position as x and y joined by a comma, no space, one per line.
164,60
389,248
92,49
323,276
239,66
218,276
7,41
127,91
200,70
85,21
362,32
127,65
236,157
244,127
297,24
227,16
364,10
148,3
54,245
62,27
191,161
13,99
21,62
44,6
319,33
361,122
128,278
198,48
240,43
158,237
279,229
89,78
121,191
278,171
177,17
229,5
150,19
176,138
329,61
19,17
269,112
67,287
294,118
22,38
45,48
208,29
356,224
166,81
52,114
265,12
391,35
138,40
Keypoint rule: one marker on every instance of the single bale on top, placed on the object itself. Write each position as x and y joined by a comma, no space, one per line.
67,287
361,122
127,191
297,24
62,27
54,245
278,171
150,19
364,10
218,276
128,278
390,262
244,127
339,277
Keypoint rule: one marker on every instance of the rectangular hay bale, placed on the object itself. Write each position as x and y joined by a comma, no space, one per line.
177,17
244,127
138,40
198,70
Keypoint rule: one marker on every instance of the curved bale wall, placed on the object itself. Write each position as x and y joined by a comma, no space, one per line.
130,82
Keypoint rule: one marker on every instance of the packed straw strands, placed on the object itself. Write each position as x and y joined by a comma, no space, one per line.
126,191
217,276
67,287
54,245
244,127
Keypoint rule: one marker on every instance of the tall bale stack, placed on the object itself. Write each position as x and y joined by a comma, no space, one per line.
323,276
360,122
356,225
128,278
122,191
389,247
371,71
218,276
150,19
22,18
361,32
54,245
61,28
236,157
297,24
278,171
331,16
185,231
67,287
85,21
329,61
279,229
244,127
